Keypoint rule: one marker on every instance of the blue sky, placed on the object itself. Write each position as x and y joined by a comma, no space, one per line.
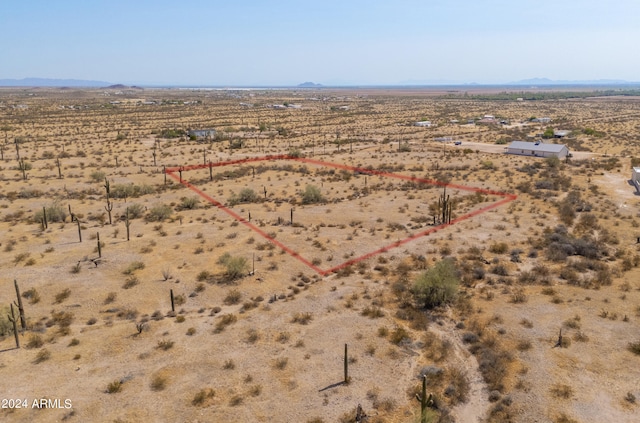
251,42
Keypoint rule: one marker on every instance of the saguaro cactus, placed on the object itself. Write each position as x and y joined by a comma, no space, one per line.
127,222
346,365
23,321
425,400
79,229
109,208
445,206
23,167
59,168
12,319
45,225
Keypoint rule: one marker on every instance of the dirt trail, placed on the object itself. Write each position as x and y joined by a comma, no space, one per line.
475,409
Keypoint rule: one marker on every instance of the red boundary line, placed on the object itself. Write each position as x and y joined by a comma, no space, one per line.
171,172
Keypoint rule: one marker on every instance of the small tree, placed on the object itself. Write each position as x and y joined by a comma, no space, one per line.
235,267
437,285
311,194
246,195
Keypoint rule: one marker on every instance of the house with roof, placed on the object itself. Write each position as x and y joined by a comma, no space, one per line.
538,149
424,123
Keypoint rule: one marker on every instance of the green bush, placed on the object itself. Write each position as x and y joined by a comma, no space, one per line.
135,211
159,213
188,203
97,176
235,267
129,190
55,213
436,286
246,195
312,194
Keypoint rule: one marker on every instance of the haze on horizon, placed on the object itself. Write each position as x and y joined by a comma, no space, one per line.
357,42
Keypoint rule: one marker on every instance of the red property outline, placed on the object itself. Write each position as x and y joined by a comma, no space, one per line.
172,172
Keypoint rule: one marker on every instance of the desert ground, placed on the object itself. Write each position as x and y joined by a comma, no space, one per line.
165,277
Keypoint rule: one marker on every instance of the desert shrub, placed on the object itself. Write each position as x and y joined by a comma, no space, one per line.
164,345
235,267
398,335
43,355
55,213
499,248
188,203
158,213
235,400
204,276
561,391
158,382
372,312
111,297
459,386
302,318
31,295
518,296
225,320
35,341
252,336
114,387
311,195
281,363
135,211
130,282
132,267
436,348
233,297
634,347
436,286
201,396
129,190
62,295
97,176
246,195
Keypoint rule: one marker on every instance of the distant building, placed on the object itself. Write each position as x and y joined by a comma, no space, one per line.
538,149
541,120
488,120
635,177
561,134
424,123
202,133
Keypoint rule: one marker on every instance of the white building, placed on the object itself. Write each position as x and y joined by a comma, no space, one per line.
635,177
424,123
538,149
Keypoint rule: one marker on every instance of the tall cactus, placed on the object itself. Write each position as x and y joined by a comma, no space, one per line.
346,365
127,222
12,319
107,187
445,207
23,321
109,208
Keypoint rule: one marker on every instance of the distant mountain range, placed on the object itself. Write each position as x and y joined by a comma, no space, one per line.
309,85
547,81
78,83
49,82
